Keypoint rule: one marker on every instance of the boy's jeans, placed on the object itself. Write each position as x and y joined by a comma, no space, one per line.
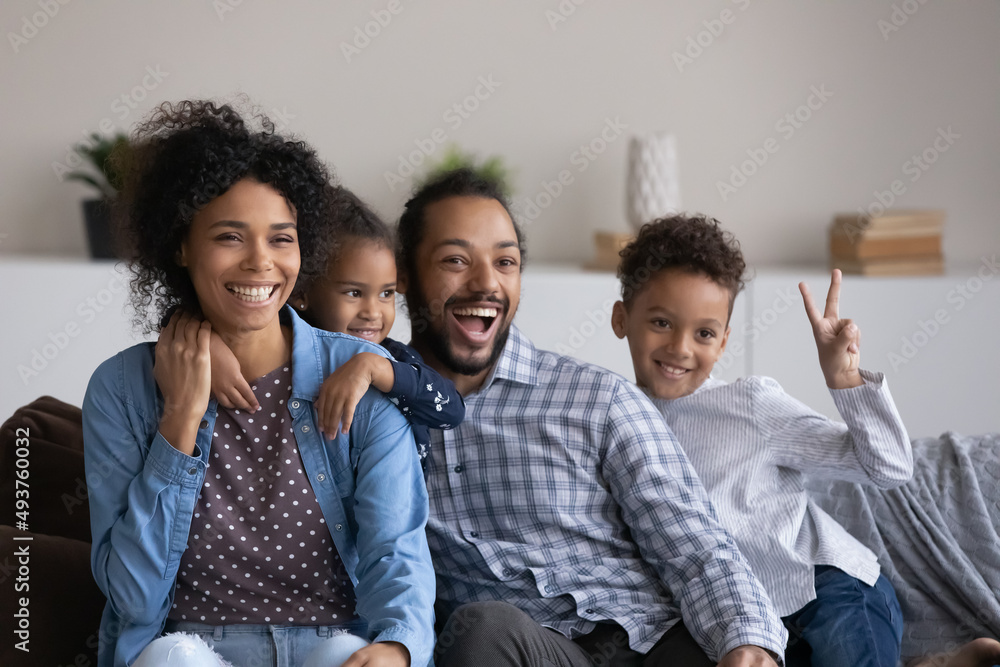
849,624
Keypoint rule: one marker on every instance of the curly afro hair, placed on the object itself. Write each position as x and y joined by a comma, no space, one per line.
184,156
694,243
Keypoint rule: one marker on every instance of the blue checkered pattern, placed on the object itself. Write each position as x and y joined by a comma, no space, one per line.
565,493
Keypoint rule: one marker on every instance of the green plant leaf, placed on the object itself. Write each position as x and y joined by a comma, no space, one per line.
492,168
105,174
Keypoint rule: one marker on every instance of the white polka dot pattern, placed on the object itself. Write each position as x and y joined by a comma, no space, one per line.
259,550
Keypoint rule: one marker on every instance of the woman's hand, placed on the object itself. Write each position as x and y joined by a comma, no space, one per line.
381,654
343,389
183,372
838,341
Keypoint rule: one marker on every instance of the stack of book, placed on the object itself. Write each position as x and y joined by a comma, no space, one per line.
895,243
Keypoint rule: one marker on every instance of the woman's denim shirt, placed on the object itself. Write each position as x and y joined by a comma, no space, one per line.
143,494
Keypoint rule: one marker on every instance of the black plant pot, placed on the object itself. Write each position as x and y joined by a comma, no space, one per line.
97,215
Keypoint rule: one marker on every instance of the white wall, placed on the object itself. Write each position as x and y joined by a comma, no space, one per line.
557,86
926,334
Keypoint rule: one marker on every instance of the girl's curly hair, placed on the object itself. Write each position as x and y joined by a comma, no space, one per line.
356,219
694,243
184,156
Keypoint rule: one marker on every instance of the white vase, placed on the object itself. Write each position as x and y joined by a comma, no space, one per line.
653,188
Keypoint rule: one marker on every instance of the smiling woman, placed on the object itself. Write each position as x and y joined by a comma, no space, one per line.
242,255
244,536
185,157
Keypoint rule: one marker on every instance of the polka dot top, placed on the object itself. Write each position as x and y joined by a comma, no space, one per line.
259,550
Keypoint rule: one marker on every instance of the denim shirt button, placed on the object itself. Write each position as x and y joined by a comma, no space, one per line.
339,527
320,477
305,428
192,471
294,405
203,424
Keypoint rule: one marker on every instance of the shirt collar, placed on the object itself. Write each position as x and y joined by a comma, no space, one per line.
709,384
518,363
307,367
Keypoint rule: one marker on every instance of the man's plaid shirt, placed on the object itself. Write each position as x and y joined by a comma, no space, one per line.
565,494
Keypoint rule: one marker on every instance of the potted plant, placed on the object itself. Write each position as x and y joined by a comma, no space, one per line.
106,177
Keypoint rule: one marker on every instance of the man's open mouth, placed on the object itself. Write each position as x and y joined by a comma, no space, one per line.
476,320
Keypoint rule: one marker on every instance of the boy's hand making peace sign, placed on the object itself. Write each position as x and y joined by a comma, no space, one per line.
837,340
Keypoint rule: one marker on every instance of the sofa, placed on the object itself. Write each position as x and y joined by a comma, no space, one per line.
63,604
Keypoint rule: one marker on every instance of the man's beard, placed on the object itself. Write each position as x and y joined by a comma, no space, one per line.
434,336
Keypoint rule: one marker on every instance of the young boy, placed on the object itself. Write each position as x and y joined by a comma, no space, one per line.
358,297
752,444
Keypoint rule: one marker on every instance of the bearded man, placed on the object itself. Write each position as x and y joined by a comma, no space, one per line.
567,526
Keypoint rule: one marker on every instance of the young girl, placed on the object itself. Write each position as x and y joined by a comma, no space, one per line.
245,538
358,297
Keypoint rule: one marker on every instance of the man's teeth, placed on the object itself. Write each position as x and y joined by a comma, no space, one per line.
252,294
476,312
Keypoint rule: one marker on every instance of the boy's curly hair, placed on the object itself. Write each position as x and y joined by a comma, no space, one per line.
184,156
694,243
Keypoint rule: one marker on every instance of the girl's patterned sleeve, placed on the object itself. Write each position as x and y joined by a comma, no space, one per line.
423,396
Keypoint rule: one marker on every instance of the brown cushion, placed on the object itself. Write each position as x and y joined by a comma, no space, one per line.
64,603
57,486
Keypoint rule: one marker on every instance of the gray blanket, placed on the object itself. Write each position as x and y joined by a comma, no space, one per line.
935,537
